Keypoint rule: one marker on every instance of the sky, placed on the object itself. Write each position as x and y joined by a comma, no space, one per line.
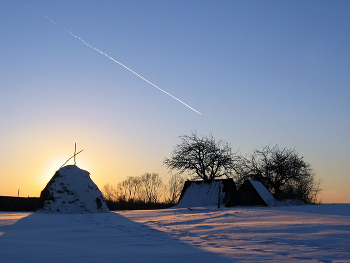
259,72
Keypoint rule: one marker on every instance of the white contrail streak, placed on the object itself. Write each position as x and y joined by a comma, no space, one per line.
121,64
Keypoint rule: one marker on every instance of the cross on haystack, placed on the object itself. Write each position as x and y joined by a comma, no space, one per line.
75,154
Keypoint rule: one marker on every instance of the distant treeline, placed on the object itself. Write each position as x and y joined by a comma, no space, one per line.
30,204
146,191
18,204
135,205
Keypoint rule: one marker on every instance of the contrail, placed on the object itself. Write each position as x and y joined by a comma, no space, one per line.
121,64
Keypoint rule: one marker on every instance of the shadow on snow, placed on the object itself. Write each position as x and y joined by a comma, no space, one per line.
41,237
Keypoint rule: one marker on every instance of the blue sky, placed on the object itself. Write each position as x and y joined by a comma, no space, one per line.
260,72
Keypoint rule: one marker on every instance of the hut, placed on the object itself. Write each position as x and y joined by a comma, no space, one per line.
252,193
200,193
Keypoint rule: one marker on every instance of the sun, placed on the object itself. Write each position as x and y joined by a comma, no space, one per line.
53,165
49,168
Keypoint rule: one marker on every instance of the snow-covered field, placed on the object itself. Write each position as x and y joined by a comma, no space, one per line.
319,233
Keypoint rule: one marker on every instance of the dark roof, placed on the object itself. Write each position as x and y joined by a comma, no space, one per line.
252,193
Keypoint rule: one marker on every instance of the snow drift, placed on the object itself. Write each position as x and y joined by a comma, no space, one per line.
309,233
71,191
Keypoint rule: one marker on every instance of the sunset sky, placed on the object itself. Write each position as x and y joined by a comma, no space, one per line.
260,73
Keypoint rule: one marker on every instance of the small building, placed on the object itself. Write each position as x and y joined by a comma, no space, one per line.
252,193
200,193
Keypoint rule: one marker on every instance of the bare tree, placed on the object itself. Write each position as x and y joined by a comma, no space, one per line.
109,192
131,187
152,186
202,158
282,171
174,188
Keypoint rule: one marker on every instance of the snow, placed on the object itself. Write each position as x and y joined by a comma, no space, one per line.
310,233
71,191
202,194
263,192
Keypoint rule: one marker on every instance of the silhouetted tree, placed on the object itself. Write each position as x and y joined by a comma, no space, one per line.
132,188
152,186
109,192
174,188
282,171
201,157
136,192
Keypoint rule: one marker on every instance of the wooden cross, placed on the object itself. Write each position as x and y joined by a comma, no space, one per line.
75,154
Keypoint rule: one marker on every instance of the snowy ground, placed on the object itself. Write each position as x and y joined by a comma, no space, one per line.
292,234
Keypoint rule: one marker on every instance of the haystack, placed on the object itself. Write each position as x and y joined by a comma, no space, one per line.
71,191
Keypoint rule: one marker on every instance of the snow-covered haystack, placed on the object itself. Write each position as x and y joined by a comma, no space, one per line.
71,191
